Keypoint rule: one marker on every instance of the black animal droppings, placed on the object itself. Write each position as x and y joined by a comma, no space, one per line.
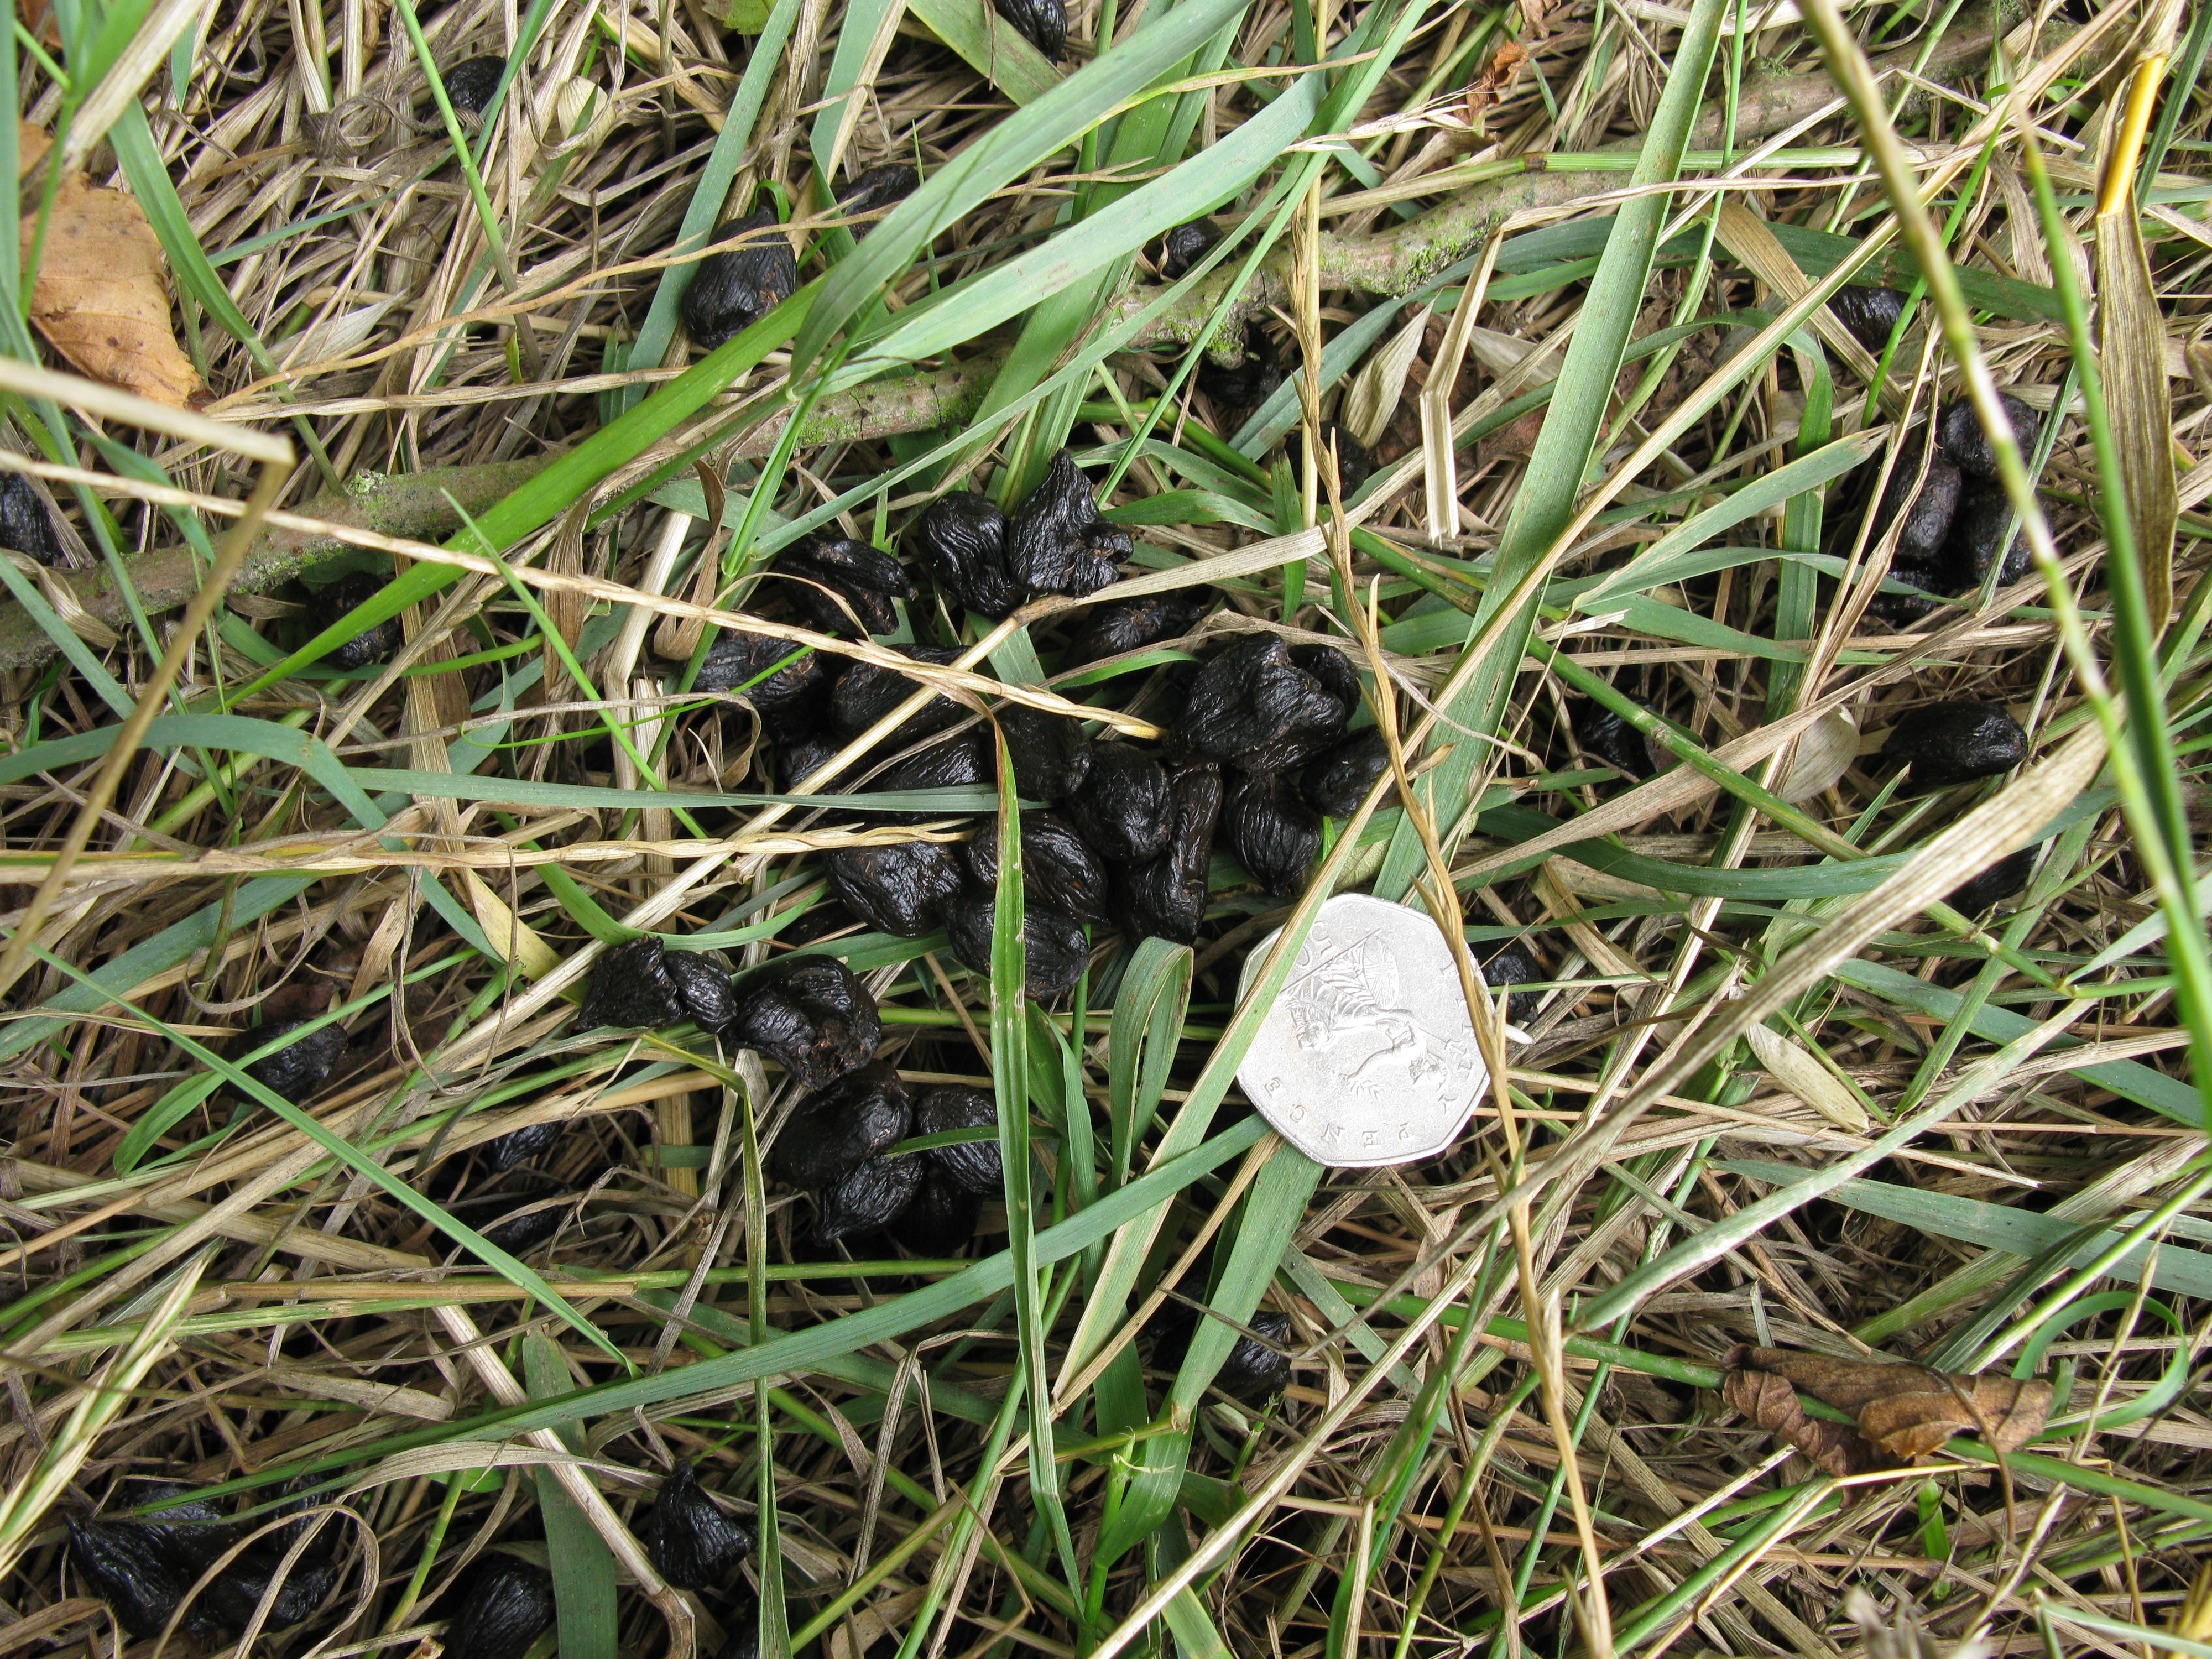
1335,784
1354,465
127,1565
1870,313
809,1015
961,535
788,697
1122,810
877,188
1607,737
692,1542
530,1227
1333,669
1958,433
2007,877
834,1128
901,889
197,1530
1977,544
1272,832
1906,607
1184,246
1949,743
1510,964
470,85
518,1146
508,1607
941,1220
865,693
802,757
1056,950
1256,1368
743,1625
1055,541
238,1589
972,1166
1044,21
734,290
1058,870
1127,625
1254,708
1923,526
371,644
865,576
1051,752
1251,381
1166,898
298,1069
868,1197
26,525
957,762
645,986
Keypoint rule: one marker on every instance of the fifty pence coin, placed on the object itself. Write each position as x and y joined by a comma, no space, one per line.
1369,1056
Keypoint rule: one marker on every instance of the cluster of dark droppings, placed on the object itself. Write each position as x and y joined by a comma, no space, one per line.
864,578
1604,735
783,681
865,693
1056,950
1951,516
508,1606
901,890
836,1145
470,85
1184,246
1262,706
879,187
1050,752
1949,743
834,1128
1054,541
373,644
1127,625
1274,833
959,761
2008,876
26,525
692,1542
645,986
809,1016
297,1070
143,1581
1338,783
1508,965
1870,313
1121,809
733,289
519,1146
1044,21
237,1591
867,1198
974,1166
1165,898
143,1568
1058,870
1250,381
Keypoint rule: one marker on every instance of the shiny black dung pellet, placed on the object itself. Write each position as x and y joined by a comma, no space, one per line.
1060,871
901,889
196,1531
866,577
1254,708
238,1589
1257,1369
518,1146
1354,465
1122,810
1055,541
834,1128
645,986
1335,784
129,1567
941,1218
471,83
26,525
694,1543
371,644
508,1606
788,683
1184,246
2007,877
1249,382
1923,525
865,693
1333,669
961,535
1051,752
799,758
1868,312
1507,965
1607,737
1127,625
868,1197
1274,833
1959,433
298,1069
809,1015
974,1166
960,762
702,985
734,290
1166,898
879,187
1044,21
1977,544
531,1226
1949,743
1056,949
1925,579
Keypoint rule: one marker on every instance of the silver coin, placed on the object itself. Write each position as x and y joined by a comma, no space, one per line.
1369,1056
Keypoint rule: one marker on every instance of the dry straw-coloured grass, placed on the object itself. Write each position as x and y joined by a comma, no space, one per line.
1503,1433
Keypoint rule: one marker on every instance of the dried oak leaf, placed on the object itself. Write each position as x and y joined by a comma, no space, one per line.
101,298
1905,1412
1770,1402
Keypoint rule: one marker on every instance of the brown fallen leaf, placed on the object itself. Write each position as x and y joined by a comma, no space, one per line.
1905,1412
32,144
102,299
1491,85
1770,1402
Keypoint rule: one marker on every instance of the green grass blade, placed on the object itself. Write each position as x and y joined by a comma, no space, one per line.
583,1566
